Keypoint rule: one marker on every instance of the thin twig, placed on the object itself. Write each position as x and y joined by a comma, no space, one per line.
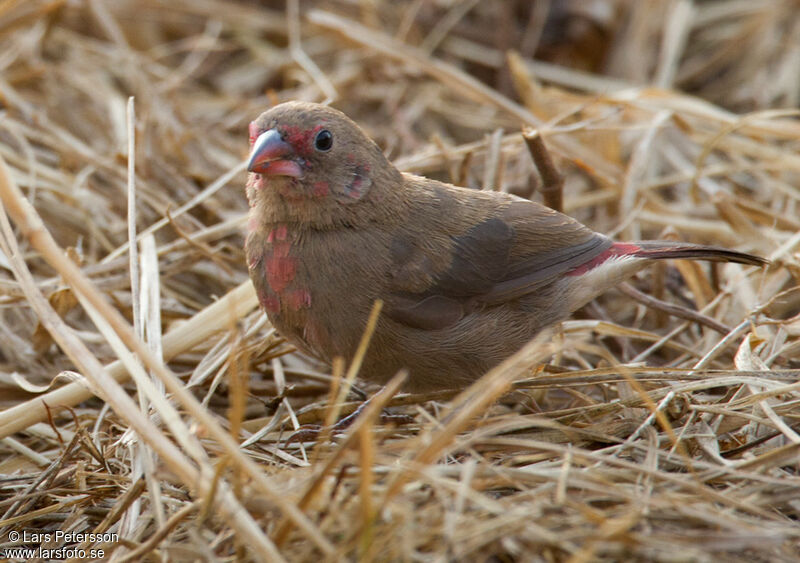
672,309
552,179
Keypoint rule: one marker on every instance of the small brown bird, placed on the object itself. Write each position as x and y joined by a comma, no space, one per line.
467,277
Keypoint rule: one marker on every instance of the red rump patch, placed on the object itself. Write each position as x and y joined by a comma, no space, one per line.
617,249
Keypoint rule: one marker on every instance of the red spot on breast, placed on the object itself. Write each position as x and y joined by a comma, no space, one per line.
278,233
321,189
297,299
280,267
269,303
279,270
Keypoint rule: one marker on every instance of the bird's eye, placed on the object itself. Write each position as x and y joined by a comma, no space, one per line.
323,141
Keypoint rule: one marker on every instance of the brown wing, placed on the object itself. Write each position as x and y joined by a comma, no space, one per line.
501,248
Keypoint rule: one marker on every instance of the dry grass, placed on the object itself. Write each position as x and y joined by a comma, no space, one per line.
659,428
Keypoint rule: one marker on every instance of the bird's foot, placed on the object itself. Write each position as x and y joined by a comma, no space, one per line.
310,432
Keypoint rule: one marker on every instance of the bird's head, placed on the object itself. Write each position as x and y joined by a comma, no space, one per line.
310,156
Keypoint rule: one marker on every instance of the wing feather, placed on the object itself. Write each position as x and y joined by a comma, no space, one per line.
501,249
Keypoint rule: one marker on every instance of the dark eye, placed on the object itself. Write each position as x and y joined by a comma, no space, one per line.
323,141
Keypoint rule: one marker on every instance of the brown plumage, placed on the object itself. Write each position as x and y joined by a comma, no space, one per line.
467,277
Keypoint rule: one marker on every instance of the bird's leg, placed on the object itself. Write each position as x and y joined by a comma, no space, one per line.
309,432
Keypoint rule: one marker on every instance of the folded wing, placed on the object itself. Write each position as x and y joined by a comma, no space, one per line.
491,258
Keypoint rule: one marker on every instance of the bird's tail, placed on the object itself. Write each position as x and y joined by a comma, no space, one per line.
623,259
660,250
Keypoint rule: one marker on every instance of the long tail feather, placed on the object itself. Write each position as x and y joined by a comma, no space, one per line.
658,250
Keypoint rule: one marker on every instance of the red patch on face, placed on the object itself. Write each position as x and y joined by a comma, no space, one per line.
297,299
301,139
280,267
253,130
617,249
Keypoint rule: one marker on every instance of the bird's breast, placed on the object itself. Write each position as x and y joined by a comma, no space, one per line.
274,260
317,287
